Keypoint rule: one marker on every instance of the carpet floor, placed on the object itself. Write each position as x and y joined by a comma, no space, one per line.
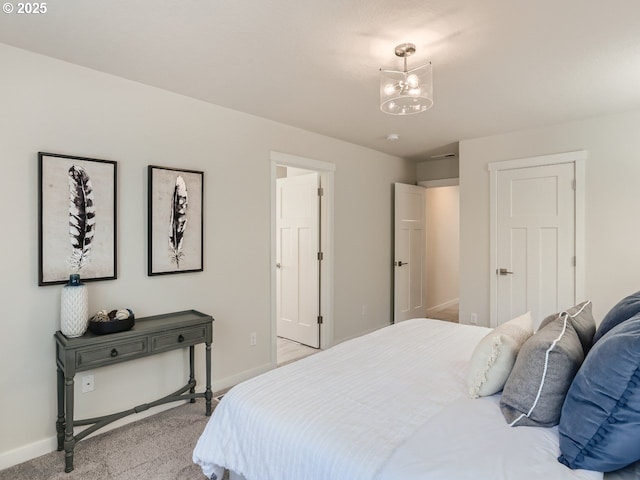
158,447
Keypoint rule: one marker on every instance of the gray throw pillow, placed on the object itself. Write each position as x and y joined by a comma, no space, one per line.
582,321
543,372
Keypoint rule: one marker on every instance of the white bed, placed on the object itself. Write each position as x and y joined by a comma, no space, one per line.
391,405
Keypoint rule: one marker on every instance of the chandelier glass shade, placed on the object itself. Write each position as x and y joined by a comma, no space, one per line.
406,92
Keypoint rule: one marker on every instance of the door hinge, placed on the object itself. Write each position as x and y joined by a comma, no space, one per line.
320,256
320,191
320,319
574,261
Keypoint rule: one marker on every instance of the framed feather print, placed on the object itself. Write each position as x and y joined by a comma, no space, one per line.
176,207
77,218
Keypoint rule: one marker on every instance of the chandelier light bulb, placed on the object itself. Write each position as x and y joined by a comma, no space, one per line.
413,81
389,89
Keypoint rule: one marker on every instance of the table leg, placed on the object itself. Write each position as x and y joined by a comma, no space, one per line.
207,393
192,378
60,424
69,440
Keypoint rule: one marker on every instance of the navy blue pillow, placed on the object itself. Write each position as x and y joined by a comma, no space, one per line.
600,420
623,310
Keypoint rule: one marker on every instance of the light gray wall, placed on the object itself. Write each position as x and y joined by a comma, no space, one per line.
612,205
53,106
443,245
437,169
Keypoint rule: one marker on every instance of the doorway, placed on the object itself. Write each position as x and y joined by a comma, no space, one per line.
443,248
537,235
443,251
302,280
426,251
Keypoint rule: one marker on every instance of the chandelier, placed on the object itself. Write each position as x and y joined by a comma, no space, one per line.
408,91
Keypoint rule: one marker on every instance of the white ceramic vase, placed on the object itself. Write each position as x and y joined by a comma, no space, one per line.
74,308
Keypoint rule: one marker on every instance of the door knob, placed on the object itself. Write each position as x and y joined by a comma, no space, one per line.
401,263
503,271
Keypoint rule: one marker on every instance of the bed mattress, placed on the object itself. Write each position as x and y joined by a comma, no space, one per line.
348,412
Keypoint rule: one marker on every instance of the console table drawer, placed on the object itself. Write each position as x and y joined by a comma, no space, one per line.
110,354
178,338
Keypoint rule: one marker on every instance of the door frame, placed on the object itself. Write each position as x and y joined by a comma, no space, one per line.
578,159
326,172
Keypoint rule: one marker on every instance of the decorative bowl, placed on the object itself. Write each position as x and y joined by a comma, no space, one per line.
113,325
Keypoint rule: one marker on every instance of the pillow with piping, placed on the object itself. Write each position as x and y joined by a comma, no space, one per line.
494,356
545,367
583,322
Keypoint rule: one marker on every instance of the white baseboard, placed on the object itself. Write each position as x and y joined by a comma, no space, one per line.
442,306
50,444
27,452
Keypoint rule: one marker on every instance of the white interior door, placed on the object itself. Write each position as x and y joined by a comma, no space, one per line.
409,251
297,247
536,240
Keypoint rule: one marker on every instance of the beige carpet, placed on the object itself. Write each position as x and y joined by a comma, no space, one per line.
158,447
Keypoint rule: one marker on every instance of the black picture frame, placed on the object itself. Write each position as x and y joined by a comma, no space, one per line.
89,186
175,233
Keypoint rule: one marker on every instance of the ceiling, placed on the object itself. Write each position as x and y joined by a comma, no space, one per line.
499,65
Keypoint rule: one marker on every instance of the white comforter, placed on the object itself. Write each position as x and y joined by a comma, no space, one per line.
344,413
470,440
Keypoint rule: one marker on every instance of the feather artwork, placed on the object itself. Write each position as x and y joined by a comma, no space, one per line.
178,220
82,216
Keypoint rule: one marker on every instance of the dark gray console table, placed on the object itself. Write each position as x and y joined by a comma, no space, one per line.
149,336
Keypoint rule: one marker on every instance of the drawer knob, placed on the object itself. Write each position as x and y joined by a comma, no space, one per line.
114,352
181,338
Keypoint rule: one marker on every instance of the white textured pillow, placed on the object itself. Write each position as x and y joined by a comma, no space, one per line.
493,358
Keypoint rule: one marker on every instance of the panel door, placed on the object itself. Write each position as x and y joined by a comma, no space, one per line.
409,252
535,241
297,247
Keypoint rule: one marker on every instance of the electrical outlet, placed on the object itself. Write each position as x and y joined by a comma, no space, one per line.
87,383
364,309
473,319
253,339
